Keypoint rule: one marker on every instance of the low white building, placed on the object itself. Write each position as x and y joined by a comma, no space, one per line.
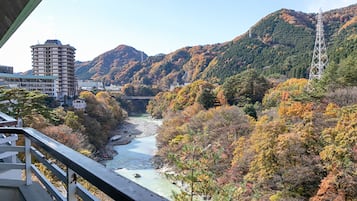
79,104
90,85
43,84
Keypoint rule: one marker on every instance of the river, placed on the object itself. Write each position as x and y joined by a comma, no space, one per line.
135,157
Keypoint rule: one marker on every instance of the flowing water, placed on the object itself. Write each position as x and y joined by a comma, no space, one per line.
135,158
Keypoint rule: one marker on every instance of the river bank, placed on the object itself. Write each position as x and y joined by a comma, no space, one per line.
124,134
134,159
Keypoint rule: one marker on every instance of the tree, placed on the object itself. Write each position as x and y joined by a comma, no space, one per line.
264,140
285,91
340,151
128,90
185,136
72,120
347,71
103,113
21,103
246,87
158,106
66,136
194,92
205,96
250,110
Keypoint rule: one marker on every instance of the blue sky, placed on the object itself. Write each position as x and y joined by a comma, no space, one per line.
153,26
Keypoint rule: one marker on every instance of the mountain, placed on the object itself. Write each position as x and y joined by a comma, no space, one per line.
108,63
279,44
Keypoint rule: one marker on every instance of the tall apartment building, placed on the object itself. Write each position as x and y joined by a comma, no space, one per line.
55,59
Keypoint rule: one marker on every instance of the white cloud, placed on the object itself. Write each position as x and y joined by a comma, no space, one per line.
315,5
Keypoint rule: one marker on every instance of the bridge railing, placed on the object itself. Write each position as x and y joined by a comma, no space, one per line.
76,166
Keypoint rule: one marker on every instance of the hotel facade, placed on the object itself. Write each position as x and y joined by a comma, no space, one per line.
54,59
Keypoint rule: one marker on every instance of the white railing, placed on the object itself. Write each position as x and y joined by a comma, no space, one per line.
75,166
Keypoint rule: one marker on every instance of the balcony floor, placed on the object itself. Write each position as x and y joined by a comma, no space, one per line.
17,190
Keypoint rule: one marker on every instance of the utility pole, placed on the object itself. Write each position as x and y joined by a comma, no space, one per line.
319,57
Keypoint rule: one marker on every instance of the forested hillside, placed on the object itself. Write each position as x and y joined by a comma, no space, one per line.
255,136
105,65
248,140
280,44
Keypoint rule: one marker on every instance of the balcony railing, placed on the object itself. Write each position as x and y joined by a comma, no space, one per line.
75,165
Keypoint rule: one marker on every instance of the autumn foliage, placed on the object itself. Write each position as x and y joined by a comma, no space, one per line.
102,115
306,149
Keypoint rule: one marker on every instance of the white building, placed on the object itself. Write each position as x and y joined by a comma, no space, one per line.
55,59
90,85
44,84
79,104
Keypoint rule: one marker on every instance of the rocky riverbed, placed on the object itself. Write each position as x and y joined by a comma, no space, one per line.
130,129
134,159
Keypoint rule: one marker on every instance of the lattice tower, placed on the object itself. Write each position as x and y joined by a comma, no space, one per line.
319,58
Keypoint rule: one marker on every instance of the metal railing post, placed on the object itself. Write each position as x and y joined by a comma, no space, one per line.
71,184
28,161
13,143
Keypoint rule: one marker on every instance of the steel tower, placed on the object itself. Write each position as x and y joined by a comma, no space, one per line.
319,58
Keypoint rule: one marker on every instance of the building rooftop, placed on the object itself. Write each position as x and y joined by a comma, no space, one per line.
55,42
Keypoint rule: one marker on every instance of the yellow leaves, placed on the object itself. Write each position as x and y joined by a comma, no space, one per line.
276,197
86,94
203,178
296,109
187,95
341,140
264,142
85,152
192,110
240,145
331,110
179,139
284,92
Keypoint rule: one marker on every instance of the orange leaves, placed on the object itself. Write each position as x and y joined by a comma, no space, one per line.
284,92
348,23
284,96
327,190
296,109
